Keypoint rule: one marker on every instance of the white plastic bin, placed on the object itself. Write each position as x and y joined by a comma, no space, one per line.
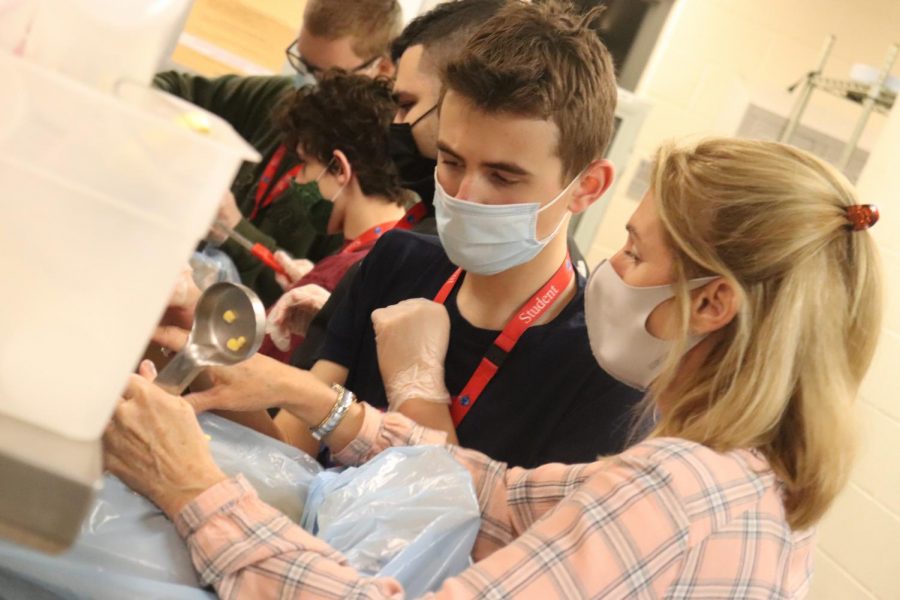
102,42
15,19
102,199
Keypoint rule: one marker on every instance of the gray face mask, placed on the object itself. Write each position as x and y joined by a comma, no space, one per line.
490,238
616,315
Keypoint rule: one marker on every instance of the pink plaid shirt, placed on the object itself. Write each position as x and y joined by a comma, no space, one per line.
666,518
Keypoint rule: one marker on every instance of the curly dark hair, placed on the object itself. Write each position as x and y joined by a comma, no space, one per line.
350,113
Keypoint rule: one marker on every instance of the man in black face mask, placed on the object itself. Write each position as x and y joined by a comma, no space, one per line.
425,44
416,168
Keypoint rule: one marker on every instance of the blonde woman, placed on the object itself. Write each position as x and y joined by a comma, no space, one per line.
747,299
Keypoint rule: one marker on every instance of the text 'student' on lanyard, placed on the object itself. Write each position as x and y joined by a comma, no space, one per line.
528,314
413,216
263,198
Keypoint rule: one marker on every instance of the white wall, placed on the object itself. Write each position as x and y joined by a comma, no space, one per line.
858,552
716,56
410,9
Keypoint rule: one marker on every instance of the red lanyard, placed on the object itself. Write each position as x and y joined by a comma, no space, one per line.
368,236
413,216
263,198
528,313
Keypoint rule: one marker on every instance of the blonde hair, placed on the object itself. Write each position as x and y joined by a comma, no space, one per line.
783,376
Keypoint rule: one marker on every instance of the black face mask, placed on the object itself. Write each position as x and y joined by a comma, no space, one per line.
416,171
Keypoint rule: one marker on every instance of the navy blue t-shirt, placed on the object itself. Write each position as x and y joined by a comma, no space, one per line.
549,402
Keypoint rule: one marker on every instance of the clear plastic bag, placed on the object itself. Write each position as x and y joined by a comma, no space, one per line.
281,474
212,265
410,513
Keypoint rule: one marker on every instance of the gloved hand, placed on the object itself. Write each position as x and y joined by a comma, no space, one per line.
412,338
293,313
183,300
229,214
185,293
296,269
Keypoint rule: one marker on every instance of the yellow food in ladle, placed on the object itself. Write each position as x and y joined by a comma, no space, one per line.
235,344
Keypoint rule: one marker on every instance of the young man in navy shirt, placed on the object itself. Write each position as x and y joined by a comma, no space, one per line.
526,115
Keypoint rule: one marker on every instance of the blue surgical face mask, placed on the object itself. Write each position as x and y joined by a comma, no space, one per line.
489,238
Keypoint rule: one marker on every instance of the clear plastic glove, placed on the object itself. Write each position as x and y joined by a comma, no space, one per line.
183,300
412,338
228,214
211,265
296,269
293,313
185,293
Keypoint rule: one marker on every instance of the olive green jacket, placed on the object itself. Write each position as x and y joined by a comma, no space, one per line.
247,103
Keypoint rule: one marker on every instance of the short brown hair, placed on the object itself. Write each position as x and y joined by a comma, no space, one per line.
444,30
372,24
350,113
544,61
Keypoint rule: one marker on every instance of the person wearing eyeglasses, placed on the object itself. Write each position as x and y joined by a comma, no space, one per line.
305,68
264,204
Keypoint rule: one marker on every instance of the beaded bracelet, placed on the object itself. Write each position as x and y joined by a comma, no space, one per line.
345,398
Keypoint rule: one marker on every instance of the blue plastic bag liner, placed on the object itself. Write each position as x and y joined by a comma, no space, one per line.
28,575
128,549
211,265
281,474
410,513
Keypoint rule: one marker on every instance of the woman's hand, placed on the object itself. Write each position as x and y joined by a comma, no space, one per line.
262,382
258,383
155,445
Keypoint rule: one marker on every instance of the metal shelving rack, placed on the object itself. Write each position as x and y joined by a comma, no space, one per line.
872,97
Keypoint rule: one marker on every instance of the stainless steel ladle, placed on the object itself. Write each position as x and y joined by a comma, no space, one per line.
229,326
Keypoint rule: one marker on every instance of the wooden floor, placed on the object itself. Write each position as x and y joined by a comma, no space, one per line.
238,36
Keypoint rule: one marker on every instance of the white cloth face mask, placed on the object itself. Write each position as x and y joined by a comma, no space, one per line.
489,238
616,315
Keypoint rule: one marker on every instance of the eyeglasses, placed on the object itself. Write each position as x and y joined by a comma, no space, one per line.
303,67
